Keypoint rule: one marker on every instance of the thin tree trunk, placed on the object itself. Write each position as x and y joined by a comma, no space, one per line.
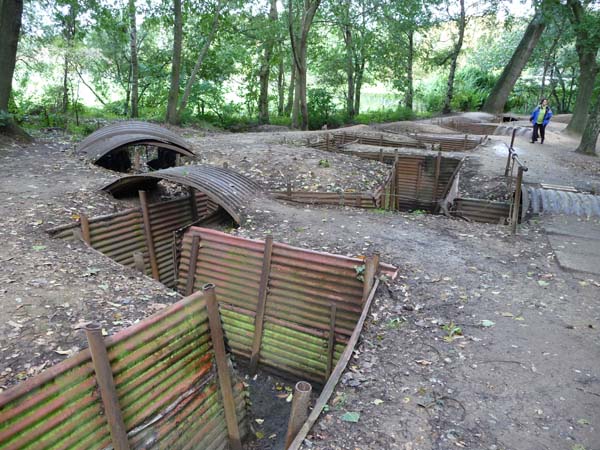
291,90
409,95
175,64
586,46
280,88
191,80
135,68
360,71
296,106
265,68
453,63
299,50
589,138
350,82
497,99
65,84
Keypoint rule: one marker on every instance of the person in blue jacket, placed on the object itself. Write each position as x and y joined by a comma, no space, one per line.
539,118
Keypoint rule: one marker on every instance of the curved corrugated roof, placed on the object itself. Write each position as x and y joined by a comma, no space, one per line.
112,137
225,187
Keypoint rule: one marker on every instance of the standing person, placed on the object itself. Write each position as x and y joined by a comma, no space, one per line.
539,118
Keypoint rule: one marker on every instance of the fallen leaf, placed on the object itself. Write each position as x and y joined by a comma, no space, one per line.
351,416
377,401
423,362
487,323
507,314
259,421
543,283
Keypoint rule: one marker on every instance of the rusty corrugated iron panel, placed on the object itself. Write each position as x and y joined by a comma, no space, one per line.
225,187
302,286
357,199
449,142
479,210
112,137
164,376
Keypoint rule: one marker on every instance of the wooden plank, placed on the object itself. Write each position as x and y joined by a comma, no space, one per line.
335,375
85,229
191,275
262,303
218,341
148,235
193,204
331,340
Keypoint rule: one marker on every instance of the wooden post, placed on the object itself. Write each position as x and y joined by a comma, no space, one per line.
289,190
299,412
106,385
465,143
371,266
85,229
193,204
262,303
138,261
380,155
191,276
331,340
436,182
148,234
517,201
512,139
218,341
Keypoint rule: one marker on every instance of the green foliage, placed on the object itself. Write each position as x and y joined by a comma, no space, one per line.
5,118
385,115
320,108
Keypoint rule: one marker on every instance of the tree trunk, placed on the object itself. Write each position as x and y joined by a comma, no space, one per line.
10,27
192,79
296,106
360,71
265,68
497,99
65,85
455,53
175,64
586,45
409,95
291,90
280,89
585,87
347,32
135,68
589,138
299,50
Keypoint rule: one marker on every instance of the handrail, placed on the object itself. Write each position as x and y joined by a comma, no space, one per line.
513,158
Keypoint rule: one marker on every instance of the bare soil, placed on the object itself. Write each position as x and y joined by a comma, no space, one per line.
483,342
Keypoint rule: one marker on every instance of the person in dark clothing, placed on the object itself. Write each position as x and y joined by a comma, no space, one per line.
539,118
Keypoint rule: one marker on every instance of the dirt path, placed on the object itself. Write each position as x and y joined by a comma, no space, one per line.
432,370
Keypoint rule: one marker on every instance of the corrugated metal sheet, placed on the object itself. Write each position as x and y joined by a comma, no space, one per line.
165,381
224,187
357,199
302,287
448,142
552,201
414,185
479,210
112,137
331,142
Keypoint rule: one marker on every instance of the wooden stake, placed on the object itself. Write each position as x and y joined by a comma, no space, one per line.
138,261
148,234
331,340
106,385
191,276
85,229
218,341
262,303
193,204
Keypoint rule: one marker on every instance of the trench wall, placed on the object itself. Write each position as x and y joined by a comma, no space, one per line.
312,301
123,236
166,383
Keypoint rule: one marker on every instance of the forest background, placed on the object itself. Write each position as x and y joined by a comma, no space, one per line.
305,64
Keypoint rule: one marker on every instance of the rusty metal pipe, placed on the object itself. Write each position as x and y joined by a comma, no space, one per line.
106,384
299,412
